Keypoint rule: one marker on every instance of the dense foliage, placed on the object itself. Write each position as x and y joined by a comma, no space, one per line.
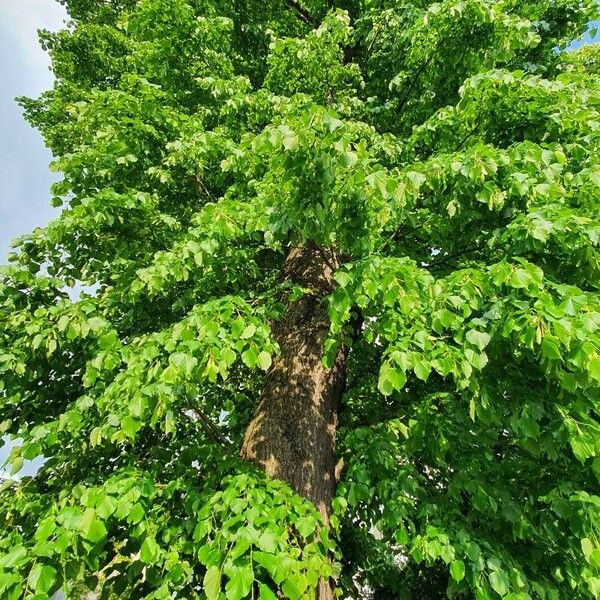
450,151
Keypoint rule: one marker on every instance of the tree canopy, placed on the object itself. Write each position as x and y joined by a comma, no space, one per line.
450,153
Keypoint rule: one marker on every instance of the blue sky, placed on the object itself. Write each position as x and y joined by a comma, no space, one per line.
24,176
587,39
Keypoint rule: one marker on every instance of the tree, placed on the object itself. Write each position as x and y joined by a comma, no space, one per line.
321,309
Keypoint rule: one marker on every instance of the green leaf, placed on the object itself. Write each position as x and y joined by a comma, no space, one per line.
95,436
137,406
293,587
472,409
16,464
265,593
390,379
248,332
250,358
551,347
348,159
41,578
587,547
264,361
273,564
423,369
529,427
583,446
457,570
402,537
106,507
477,359
109,341
136,514
183,361
499,582
306,526
150,551
267,542
240,583
15,557
478,338
290,140
45,529
212,583
240,548
594,367
209,556
95,323
92,528
130,426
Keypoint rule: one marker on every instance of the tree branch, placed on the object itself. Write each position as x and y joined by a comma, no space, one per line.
300,11
210,428
444,259
467,136
400,234
414,80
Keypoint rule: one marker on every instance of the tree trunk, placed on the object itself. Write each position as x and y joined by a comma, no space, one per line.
292,434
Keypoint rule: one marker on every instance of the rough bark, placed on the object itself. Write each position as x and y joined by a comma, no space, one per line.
292,434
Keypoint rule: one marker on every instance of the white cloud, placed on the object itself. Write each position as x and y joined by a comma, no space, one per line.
20,20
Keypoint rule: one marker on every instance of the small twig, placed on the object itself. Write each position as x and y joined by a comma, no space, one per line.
201,185
374,38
